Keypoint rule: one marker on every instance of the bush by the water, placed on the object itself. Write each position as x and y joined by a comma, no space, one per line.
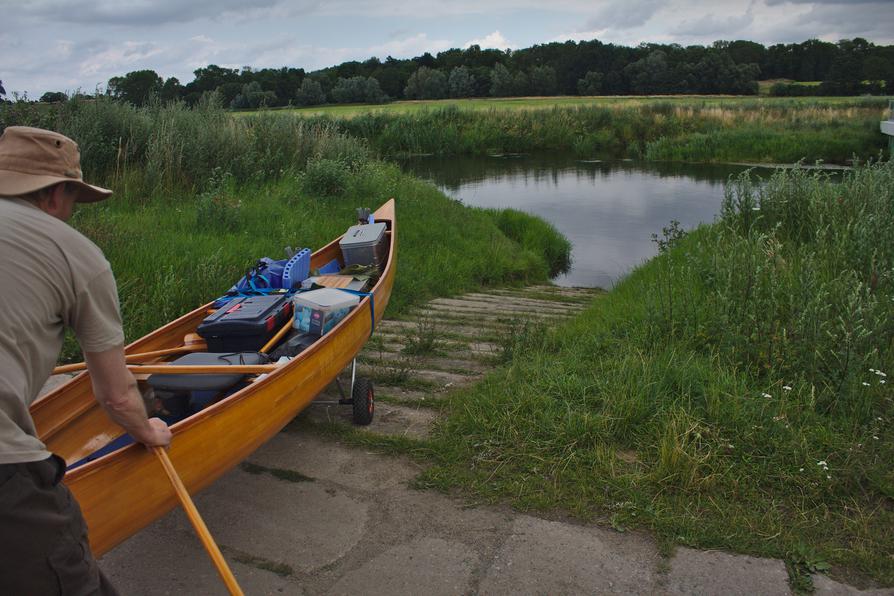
731,393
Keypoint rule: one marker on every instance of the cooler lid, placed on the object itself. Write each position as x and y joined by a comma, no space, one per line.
363,235
326,298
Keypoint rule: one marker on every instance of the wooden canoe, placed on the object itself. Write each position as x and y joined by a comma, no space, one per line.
124,491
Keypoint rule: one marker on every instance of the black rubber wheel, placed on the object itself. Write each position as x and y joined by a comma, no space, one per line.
363,398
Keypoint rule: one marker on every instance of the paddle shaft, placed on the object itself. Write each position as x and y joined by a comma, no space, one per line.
210,369
201,529
275,339
79,366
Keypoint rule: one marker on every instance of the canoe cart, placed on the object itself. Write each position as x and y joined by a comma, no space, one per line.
360,396
125,489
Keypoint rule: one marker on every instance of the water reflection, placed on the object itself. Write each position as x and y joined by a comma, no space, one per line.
608,210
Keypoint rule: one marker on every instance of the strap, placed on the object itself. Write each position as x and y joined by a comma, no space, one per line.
372,306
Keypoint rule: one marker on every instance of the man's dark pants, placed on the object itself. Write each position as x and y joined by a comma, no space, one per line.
44,548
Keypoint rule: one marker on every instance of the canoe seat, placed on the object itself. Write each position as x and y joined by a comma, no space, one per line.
176,383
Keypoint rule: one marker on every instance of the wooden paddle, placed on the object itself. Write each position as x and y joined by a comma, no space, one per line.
191,343
201,529
202,369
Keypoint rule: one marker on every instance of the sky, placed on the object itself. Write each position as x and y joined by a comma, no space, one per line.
69,45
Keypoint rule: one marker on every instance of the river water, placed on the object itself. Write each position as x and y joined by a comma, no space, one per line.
607,209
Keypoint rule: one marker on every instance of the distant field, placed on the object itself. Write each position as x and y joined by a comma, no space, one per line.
541,103
764,86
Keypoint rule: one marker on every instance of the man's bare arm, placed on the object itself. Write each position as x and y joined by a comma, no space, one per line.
116,391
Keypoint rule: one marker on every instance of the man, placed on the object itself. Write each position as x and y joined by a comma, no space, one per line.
52,277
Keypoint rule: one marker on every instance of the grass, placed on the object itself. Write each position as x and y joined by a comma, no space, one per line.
731,393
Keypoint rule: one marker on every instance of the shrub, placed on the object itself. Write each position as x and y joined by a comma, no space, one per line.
325,177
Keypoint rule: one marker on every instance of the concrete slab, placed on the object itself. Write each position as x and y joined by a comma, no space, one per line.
303,525
165,560
825,586
546,557
720,573
427,565
389,419
318,458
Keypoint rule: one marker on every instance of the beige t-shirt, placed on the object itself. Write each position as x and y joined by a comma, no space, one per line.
51,277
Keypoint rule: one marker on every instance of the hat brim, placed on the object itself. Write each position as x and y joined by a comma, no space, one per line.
15,184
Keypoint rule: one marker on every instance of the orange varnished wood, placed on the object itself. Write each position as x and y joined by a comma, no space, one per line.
126,490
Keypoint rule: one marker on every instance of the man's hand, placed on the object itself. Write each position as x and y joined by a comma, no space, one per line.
162,434
116,391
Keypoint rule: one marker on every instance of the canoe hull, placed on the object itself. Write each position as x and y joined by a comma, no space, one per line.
125,491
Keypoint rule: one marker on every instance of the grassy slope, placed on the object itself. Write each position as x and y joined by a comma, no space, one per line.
170,255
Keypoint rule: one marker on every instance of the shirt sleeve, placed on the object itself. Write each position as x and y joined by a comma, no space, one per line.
96,318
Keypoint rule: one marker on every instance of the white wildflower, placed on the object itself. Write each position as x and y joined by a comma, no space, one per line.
822,463
881,382
767,395
865,384
786,388
829,477
875,437
800,469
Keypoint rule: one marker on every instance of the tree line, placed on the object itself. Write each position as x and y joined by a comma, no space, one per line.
849,67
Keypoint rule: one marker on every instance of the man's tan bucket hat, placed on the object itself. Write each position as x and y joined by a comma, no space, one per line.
34,158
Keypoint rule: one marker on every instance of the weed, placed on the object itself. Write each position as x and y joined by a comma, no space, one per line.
521,338
424,340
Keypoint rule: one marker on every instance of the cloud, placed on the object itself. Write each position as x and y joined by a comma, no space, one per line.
415,45
146,13
624,14
830,22
713,26
495,40
843,2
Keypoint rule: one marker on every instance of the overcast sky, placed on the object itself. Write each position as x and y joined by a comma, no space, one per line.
64,45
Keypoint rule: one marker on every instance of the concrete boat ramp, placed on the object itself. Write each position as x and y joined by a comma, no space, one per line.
308,514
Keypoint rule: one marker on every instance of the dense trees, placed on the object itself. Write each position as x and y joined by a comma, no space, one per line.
357,90
461,82
136,87
566,68
426,83
53,96
310,93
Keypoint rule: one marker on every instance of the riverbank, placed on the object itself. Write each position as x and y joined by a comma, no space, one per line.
725,129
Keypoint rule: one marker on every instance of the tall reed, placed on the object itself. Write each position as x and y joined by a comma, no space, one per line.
673,129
